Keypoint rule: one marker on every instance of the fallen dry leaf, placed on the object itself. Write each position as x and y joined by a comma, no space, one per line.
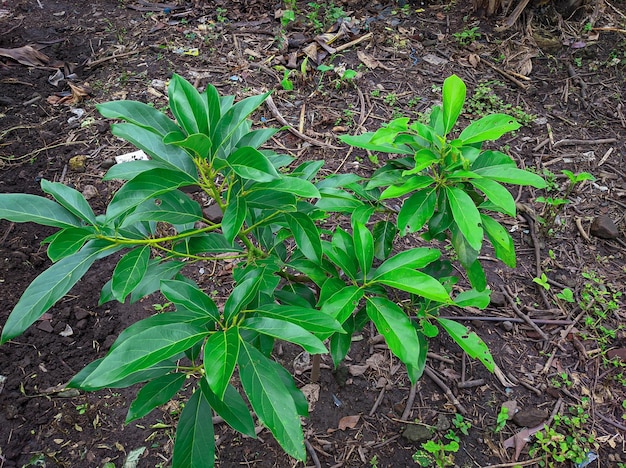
26,55
368,60
348,422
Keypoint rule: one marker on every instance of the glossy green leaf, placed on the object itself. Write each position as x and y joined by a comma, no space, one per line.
233,219
365,141
71,199
466,216
144,349
340,343
343,303
149,184
232,408
453,96
286,331
194,446
414,258
414,370
395,326
198,143
157,271
269,199
206,243
52,285
300,187
384,233
308,318
363,247
415,282
155,393
173,207
190,297
346,262
497,194
220,358
188,106
68,242
131,169
174,157
473,298
240,296
488,128
337,200
271,400
26,208
306,234
501,240
129,272
233,119
424,158
492,158
140,114
470,342
413,183
417,210
511,175
250,163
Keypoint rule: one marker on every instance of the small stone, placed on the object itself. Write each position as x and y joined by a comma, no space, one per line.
443,423
108,163
213,213
89,191
604,227
416,433
508,326
530,417
46,326
80,313
497,299
77,163
81,324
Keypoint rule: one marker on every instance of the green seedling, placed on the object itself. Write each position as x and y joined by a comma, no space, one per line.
543,281
467,36
502,418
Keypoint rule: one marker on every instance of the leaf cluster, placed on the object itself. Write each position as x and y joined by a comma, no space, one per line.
294,281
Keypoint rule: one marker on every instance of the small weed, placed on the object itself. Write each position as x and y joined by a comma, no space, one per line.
543,281
441,452
221,14
82,409
484,101
501,419
161,307
391,99
467,36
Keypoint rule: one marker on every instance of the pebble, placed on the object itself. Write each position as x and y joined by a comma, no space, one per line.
530,417
604,227
89,192
508,326
497,299
416,433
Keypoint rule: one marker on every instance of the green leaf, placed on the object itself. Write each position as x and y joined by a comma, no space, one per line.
234,119
395,326
341,304
198,143
220,357
157,271
453,100
424,158
250,163
307,318
232,408
287,331
174,157
337,200
511,175
233,219
492,158
156,371
68,242
147,185
488,128
190,297
270,199
140,114
497,194
194,446
26,208
143,350
346,262
306,234
71,199
473,298
414,258
210,242
241,295
340,343
466,216
129,272
415,282
500,239
363,247
52,285
365,141
470,342
188,106
384,233
131,169
300,187
155,393
173,207
271,400
417,210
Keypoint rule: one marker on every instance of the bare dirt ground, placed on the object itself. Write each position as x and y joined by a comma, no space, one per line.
563,353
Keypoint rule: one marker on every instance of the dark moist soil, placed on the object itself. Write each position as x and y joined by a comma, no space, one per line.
118,49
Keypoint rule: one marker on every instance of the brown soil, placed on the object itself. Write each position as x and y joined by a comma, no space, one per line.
119,49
